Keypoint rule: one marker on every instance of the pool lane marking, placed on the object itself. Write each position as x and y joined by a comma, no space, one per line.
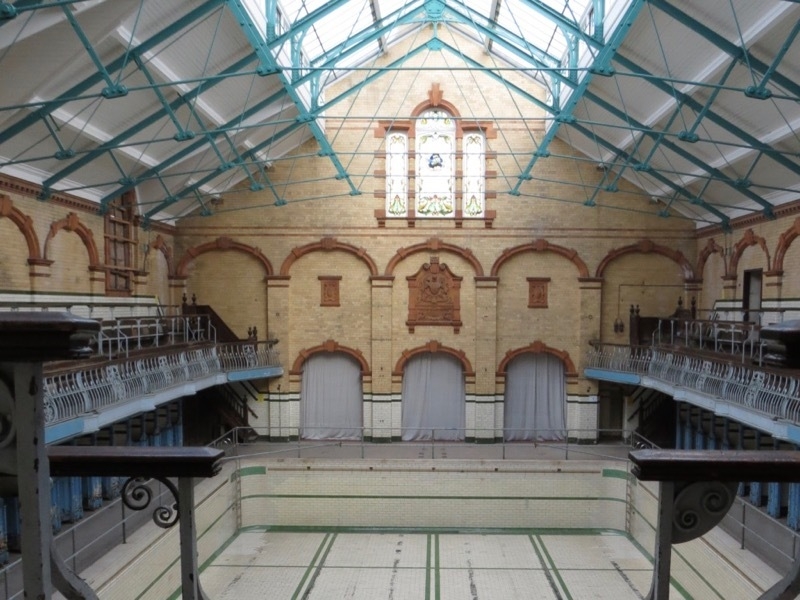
325,544
428,568
545,569
437,573
564,587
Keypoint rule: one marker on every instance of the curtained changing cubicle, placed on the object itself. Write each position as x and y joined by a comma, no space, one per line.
434,400
331,398
535,398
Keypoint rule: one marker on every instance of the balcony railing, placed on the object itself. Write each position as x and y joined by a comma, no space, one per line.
771,393
71,393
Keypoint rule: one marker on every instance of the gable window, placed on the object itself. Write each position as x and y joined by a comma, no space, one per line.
436,164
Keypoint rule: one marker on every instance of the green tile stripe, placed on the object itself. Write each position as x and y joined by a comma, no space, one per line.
247,471
552,564
428,568
433,497
437,578
545,568
618,474
326,544
433,530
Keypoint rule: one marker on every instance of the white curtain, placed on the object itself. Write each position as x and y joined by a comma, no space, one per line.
331,398
535,399
434,401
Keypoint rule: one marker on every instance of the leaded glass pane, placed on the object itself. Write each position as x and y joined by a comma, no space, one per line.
436,169
474,174
396,174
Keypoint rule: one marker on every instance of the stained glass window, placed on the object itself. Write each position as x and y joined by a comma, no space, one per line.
436,165
396,174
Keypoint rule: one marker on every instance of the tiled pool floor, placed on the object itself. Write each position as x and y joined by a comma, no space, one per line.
439,566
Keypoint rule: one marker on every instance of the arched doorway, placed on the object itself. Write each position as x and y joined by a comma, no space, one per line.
434,400
535,398
331,397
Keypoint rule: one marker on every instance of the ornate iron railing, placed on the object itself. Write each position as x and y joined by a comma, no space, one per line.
74,392
768,392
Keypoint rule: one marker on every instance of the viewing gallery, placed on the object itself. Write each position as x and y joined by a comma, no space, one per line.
366,299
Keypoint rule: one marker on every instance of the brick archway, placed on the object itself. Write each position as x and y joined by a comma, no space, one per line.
748,240
538,347
710,248
433,346
434,245
784,241
160,245
25,224
647,247
223,244
541,245
329,244
329,346
72,224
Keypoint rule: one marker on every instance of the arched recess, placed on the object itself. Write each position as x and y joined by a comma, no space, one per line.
435,245
538,347
24,223
329,244
433,346
329,346
73,224
647,247
541,245
224,244
160,245
710,248
784,241
748,239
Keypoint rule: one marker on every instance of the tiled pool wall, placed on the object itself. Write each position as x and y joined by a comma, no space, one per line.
307,494
398,494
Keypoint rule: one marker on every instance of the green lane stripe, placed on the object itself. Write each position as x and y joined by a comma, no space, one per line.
310,567
449,498
616,473
437,579
319,567
545,569
428,568
245,471
554,568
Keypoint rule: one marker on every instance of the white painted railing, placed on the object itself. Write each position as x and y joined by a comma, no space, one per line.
769,392
71,393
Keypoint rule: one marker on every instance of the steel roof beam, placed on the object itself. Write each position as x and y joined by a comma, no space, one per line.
494,11
267,59
402,16
682,152
173,198
113,89
691,198
120,138
601,63
726,46
115,65
191,148
712,116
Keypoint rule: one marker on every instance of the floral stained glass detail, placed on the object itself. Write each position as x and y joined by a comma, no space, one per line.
473,167
435,160
396,174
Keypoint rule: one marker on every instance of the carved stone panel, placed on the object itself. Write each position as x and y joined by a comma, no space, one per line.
329,290
537,292
434,296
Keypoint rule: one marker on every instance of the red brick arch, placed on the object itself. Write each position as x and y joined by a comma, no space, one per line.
710,248
748,239
541,245
433,346
222,244
538,347
73,224
329,244
784,241
160,245
647,247
329,346
25,224
435,245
